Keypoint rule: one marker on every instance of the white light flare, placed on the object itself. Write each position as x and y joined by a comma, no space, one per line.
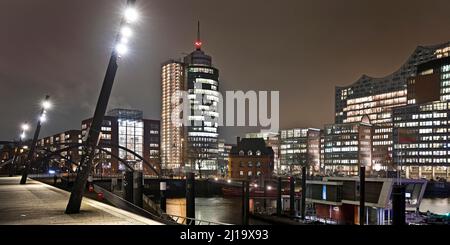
25,127
121,49
131,15
46,104
126,32
43,118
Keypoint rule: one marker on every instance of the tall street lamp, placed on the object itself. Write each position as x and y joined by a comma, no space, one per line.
129,17
12,168
42,118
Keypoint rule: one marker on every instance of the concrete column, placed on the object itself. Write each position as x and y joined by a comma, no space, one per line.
407,169
420,172
447,172
433,172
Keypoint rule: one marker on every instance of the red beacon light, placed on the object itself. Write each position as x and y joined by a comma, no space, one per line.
198,44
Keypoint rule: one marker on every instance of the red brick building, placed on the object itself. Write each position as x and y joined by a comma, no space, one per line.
252,159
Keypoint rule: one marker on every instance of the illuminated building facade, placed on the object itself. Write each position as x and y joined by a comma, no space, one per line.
377,97
63,140
192,146
223,160
422,129
202,84
347,146
299,147
127,128
172,80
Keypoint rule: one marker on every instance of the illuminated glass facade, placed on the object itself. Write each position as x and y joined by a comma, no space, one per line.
377,97
127,128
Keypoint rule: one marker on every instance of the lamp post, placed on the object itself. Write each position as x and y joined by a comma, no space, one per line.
93,137
25,127
42,118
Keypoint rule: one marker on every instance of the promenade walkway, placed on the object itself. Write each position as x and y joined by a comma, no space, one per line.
37,203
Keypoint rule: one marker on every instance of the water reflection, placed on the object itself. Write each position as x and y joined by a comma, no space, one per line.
228,210
435,205
215,209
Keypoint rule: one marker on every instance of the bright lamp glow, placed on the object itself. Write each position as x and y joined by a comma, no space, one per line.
131,15
126,31
25,127
23,135
269,187
124,40
46,104
216,179
229,181
121,49
255,185
43,118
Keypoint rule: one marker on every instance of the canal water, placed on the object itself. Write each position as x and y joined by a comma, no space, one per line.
228,210
215,209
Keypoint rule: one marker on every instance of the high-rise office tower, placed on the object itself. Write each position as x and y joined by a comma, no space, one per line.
202,84
172,80
194,145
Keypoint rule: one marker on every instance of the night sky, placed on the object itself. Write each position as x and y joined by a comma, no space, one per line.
303,48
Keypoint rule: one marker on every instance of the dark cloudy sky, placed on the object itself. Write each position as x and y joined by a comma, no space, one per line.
303,48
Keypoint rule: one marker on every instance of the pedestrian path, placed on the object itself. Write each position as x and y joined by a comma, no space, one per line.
37,203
